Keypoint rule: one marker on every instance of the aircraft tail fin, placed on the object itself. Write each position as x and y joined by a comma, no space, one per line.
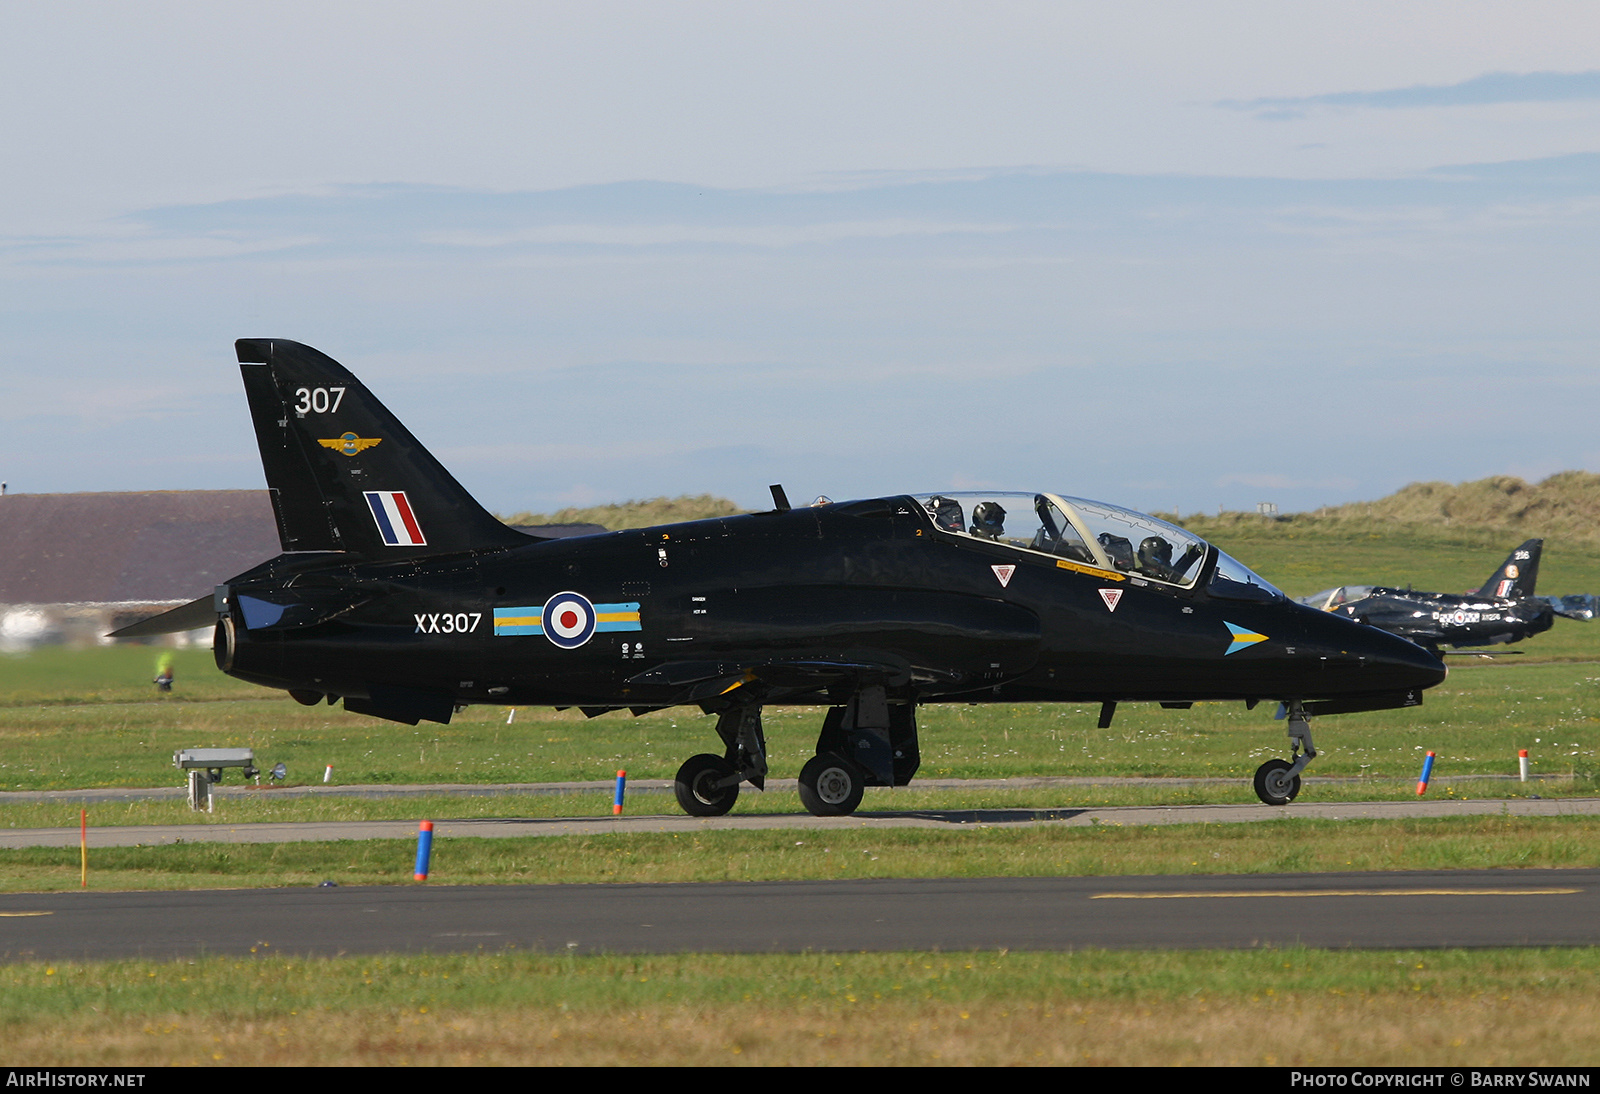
1517,574
344,474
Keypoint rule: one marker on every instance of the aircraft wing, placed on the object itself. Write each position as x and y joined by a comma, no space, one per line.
700,681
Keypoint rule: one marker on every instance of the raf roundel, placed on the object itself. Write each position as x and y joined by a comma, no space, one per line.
568,620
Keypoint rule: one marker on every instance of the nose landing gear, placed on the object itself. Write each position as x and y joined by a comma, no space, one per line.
1278,781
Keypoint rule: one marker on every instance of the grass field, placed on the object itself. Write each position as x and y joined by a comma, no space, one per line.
90,718
1292,845
1263,1008
84,733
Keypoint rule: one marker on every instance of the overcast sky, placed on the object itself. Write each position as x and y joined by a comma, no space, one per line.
1164,254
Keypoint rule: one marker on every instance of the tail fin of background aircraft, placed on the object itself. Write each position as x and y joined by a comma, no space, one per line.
1516,576
345,475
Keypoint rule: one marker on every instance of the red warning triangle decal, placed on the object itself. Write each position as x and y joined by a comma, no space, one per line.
1004,574
1111,596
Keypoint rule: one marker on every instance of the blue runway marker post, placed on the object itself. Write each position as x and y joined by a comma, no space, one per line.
616,803
1427,773
424,849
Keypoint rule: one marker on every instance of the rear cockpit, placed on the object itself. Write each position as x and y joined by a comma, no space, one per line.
1329,600
1089,533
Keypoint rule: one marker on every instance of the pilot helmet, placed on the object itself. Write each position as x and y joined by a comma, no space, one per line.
1155,549
946,512
988,519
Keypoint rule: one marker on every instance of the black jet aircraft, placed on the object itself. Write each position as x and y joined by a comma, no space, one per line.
399,594
1504,610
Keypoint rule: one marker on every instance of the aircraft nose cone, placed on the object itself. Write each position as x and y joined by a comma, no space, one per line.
1368,659
1402,663
1428,667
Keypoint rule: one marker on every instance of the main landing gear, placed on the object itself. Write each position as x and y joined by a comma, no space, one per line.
1278,781
831,786
867,742
707,785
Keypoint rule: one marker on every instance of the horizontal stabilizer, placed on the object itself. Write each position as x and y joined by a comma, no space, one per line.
190,617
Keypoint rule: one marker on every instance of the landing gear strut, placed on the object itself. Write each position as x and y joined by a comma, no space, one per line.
867,742
1278,781
707,785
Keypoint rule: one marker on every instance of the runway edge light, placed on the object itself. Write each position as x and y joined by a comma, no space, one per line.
1427,773
424,848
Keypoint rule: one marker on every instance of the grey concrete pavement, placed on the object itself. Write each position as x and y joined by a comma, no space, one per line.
287,832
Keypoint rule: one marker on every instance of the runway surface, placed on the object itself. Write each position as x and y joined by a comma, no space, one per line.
1366,910
297,831
240,792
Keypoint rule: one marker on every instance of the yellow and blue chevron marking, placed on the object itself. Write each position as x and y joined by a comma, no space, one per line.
529,620
1242,638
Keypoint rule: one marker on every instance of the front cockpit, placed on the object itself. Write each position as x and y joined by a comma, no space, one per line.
1094,534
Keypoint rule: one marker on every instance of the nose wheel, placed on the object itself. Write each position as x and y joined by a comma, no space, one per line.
1278,781
1274,784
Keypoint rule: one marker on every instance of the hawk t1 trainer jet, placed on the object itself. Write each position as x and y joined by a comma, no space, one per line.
1504,610
399,594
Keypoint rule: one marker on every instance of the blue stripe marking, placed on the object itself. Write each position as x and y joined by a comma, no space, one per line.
382,517
607,627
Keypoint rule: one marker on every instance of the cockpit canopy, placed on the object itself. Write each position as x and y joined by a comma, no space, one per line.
1091,533
1330,599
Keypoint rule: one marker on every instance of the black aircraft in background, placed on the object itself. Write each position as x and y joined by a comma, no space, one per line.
399,594
1504,610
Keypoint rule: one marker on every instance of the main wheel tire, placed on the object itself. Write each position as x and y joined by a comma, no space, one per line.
697,789
1273,784
830,786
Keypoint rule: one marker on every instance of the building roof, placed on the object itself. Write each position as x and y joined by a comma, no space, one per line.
157,545
152,545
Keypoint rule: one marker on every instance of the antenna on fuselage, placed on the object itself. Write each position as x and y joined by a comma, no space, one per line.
780,500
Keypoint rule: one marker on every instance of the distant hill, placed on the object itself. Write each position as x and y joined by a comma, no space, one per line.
1564,507
635,514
